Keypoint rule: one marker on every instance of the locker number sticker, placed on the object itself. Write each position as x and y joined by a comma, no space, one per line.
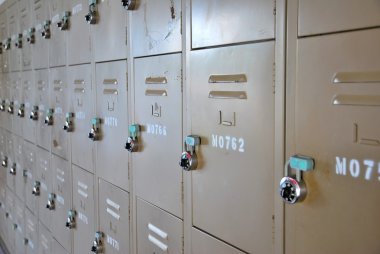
156,129
228,143
366,169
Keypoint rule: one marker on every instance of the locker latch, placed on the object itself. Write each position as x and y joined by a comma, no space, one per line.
12,170
132,144
97,246
36,188
34,113
49,117
1,48
91,15
51,202
63,24
2,105
129,4
70,223
30,37
69,125
18,41
11,107
4,162
189,160
25,173
292,187
45,33
15,226
21,110
94,134
7,44
26,241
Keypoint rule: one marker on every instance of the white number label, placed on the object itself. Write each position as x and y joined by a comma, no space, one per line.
228,143
156,129
110,121
356,168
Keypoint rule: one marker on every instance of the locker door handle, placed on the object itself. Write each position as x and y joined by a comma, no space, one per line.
233,78
357,77
156,80
228,95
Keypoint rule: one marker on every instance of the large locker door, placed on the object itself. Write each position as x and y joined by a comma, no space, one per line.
336,121
25,25
9,162
82,105
15,33
20,242
30,174
3,112
20,181
45,240
31,232
110,31
8,102
232,110
4,39
79,46
156,27
158,110
59,25
43,102
10,220
29,125
15,103
111,108
41,22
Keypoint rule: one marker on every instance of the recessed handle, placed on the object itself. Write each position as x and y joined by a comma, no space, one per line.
228,95
356,100
111,91
231,78
110,82
357,77
156,93
156,80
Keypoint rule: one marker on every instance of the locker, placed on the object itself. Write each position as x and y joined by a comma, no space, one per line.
3,228
29,125
45,179
10,220
3,89
79,47
84,207
202,243
157,230
59,103
45,240
111,108
236,153
14,33
20,181
31,232
156,27
81,94
7,92
340,99
11,165
4,36
110,31
31,176
338,15
62,187
113,218
42,99
58,249
41,22
20,242
158,109
17,99
25,25
224,22
59,28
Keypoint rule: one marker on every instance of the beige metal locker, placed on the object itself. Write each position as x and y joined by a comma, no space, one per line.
218,22
20,243
110,31
29,124
7,94
42,99
3,112
158,110
10,162
157,231
10,220
336,110
31,232
113,218
232,110
42,26
58,249
326,16
15,34
84,208
3,37
45,240
62,189
25,25
59,102
156,27
20,181
112,110
79,45
31,176
16,99
82,105
3,225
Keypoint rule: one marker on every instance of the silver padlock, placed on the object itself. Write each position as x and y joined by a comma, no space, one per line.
70,223
51,202
45,33
18,41
69,125
292,187
12,170
36,188
30,37
4,162
21,110
7,44
2,105
129,5
97,246
11,107
94,133
1,48
132,142
63,24
49,117
189,159
91,16
34,113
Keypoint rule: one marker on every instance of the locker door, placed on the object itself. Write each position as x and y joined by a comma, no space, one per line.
3,228
156,27
45,240
59,102
29,125
3,112
20,243
111,98
15,33
114,218
232,102
158,93
17,98
25,25
81,95
224,22
84,207
58,249
57,50
8,99
31,232
4,37
29,159
336,109
79,47
20,181
110,32
10,220
10,162
43,102
41,22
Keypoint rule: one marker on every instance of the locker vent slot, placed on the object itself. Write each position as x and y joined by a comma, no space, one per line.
157,231
79,82
357,77
158,243
156,93
228,95
356,100
156,80
110,82
110,91
233,78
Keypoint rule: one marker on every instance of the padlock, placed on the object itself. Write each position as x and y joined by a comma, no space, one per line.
25,173
51,202
10,108
90,17
1,48
18,41
189,160
12,170
36,188
34,113
30,37
26,241
292,187
4,162
49,117
69,126
7,44
21,110
45,33
2,105
63,24
70,223
97,246
132,143
94,134
129,5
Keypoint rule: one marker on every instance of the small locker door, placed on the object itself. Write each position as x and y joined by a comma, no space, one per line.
44,110
232,100
79,46
19,174
29,159
336,121
7,113
110,31
18,104
41,22
25,25
45,240
9,162
156,27
84,208
3,37
10,220
20,240
158,110
29,125
111,109
82,105
16,35
31,232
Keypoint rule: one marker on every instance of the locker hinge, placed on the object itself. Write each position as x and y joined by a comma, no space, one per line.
274,8
126,35
126,78
181,23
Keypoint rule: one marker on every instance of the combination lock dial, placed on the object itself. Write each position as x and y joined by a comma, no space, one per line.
132,142
189,159
97,246
129,4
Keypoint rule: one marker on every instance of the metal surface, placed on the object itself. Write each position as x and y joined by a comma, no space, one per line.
14,30
45,240
31,232
25,25
29,100
40,49
43,102
58,42
30,176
